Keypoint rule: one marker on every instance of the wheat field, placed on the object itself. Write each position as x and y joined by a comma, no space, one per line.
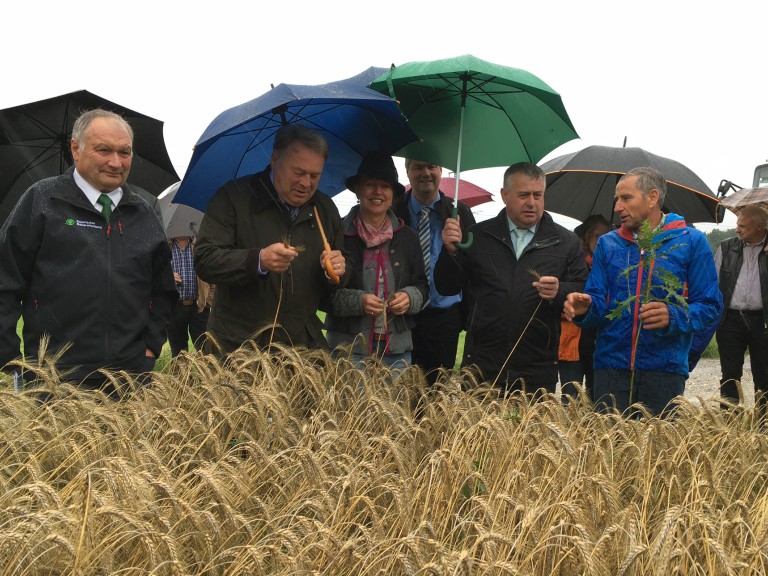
297,464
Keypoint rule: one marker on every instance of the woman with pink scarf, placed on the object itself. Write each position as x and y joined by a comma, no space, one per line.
374,314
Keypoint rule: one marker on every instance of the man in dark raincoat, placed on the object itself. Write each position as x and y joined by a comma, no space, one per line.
85,261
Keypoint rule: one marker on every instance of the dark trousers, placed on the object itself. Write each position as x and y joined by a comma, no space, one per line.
570,371
655,390
587,354
186,323
736,334
435,339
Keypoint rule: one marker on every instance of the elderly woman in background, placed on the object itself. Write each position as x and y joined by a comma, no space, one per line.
374,314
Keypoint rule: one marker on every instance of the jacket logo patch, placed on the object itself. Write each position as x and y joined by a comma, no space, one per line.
69,222
86,224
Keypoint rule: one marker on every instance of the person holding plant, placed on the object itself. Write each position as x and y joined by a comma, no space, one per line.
374,313
653,285
261,245
516,274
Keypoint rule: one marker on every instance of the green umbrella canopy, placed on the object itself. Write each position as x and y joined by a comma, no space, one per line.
469,113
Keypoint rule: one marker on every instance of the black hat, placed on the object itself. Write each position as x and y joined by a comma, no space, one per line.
591,220
378,165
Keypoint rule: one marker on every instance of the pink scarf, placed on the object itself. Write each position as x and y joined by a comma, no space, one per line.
372,236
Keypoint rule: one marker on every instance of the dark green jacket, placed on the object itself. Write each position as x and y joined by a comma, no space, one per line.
244,216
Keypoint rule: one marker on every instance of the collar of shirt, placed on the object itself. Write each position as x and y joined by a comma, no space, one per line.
93,194
760,243
189,243
415,207
513,227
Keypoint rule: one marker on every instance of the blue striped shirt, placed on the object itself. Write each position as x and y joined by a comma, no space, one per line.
184,265
436,300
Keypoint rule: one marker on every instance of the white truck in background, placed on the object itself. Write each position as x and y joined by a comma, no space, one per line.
759,179
761,176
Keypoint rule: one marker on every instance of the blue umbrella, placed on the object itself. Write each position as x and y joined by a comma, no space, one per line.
353,118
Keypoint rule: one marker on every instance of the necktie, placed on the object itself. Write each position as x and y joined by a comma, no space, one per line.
106,206
520,243
424,238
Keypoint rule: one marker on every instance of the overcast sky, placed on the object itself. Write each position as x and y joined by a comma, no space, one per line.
687,80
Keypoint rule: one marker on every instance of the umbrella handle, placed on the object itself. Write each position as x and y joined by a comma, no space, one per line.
329,271
470,237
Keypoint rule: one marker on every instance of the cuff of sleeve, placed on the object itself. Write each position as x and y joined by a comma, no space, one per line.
253,264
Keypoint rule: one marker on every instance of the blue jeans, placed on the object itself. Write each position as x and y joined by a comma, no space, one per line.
397,362
655,390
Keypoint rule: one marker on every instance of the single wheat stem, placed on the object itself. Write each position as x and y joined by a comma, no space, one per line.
518,342
86,509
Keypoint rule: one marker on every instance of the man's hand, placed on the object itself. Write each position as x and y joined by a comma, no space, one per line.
654,316
547,287
277,257
451,235
338,262
399,303
576,304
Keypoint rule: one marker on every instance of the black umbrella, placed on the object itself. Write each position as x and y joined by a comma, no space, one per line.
584,183
34,144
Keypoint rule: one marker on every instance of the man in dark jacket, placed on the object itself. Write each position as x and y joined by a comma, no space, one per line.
85,261
742,266
516,287
438,325
260,244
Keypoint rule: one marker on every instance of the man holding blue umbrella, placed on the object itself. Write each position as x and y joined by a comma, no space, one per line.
262,243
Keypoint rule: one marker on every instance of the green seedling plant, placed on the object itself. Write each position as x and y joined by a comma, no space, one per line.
658,285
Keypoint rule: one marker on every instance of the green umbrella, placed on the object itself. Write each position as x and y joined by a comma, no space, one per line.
469,113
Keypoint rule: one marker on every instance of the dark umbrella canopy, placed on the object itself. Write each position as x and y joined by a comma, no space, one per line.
584,183
35,144
354,120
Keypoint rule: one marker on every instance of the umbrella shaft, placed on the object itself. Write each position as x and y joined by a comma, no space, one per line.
458,159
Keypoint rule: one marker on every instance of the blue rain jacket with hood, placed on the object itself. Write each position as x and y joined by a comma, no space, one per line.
685,252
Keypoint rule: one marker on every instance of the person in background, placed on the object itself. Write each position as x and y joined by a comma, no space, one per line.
517,272
387,286
577,345
85,261
260,245
440,322
742,268
190,315
642,355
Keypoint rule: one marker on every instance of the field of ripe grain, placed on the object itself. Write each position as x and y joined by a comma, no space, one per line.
298,464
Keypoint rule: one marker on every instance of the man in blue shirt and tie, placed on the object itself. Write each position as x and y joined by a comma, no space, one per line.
439,324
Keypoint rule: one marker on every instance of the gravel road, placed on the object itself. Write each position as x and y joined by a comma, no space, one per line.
704,381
